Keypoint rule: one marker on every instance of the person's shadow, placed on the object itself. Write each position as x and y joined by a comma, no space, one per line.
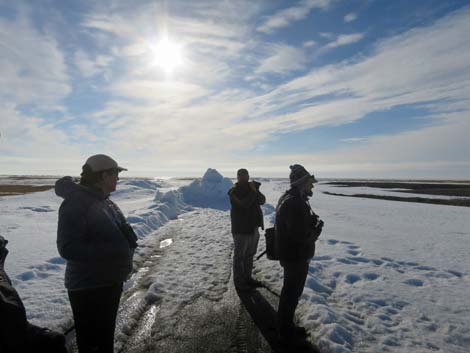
265,318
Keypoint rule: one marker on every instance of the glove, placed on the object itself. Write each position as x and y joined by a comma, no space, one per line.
3,250
318,229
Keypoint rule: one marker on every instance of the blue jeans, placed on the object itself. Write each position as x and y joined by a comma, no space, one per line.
245,249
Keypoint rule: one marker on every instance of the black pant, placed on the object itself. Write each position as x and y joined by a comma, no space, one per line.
94,312
295,274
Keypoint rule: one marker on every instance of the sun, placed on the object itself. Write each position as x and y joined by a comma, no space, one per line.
168,55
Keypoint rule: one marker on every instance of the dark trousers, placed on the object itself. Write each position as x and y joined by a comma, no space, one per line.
94,312
295,274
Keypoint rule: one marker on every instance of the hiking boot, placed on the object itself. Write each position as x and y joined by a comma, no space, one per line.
244,288
300,331
254,283
293,341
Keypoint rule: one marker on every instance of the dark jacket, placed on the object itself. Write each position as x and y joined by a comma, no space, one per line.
17,335
93,236
295,234
246,214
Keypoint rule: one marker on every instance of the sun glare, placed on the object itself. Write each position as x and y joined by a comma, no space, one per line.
168,55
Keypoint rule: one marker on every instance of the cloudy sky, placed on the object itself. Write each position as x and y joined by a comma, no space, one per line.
349,88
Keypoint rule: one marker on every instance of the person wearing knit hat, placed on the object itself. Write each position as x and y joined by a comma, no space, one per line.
297,228
299,175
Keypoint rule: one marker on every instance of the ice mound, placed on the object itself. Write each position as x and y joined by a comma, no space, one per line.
210,191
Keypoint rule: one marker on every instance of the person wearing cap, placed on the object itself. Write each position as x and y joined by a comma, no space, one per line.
297,228
246,216
98,244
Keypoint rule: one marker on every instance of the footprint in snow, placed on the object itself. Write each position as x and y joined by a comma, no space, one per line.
414,282
322,258
352,278
26,276
56,261
346,261
370,276
359,259
37,209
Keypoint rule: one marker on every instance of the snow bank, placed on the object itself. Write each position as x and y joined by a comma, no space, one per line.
164,207
210,191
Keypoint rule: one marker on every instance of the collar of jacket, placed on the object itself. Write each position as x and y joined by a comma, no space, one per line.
296,192
94,191
242,186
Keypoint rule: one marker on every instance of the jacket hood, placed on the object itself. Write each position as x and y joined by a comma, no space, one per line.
66,186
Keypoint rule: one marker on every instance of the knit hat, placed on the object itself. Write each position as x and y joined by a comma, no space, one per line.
299,175
242,171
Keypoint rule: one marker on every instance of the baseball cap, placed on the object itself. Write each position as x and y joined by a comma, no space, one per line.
101,162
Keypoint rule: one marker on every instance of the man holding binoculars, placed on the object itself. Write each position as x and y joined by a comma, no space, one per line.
247,217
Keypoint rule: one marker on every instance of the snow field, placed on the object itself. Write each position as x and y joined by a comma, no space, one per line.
387,276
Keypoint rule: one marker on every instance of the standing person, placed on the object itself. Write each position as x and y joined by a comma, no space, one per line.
246,217
98,244
297,229
17,335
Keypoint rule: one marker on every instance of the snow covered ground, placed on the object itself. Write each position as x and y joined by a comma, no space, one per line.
387,276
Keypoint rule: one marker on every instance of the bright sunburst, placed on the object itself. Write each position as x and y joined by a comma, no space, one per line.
168,55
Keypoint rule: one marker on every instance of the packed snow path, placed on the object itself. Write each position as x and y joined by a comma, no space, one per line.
182,299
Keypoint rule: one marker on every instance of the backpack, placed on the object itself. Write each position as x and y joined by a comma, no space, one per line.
271,248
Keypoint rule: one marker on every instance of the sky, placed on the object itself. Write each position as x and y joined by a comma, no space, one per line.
348,88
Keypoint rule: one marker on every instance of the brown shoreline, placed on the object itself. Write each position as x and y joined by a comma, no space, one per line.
11,190
446,202
428,188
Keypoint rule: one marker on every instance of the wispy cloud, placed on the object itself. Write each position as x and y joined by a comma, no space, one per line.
285,17
309,43
331,95
355,139
220,106
32,65
89,66
282,58
34,78
350,17
345,39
